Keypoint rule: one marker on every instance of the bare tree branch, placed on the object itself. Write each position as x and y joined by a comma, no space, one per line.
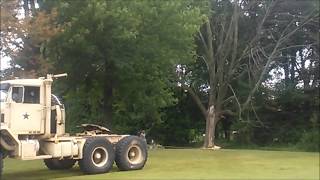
272,56
237,100
196,98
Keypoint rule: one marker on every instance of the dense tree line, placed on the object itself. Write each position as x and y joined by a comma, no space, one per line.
242,72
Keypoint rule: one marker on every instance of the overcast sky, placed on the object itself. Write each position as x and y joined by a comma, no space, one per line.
5,62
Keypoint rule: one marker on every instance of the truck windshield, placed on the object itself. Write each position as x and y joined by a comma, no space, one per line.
4,91
3,95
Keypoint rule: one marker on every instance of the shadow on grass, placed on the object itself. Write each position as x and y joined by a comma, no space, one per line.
37,174
40,174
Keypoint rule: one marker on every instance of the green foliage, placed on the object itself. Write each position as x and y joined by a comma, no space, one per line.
81,109
120,56
310,141
181,123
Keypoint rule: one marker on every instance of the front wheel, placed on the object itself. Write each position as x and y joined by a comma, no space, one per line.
1,163
56,164
131,153
98,156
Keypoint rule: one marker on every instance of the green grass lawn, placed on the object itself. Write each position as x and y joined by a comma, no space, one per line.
190,164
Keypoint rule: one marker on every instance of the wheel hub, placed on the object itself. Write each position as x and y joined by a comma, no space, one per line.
99,156
135,155
132,154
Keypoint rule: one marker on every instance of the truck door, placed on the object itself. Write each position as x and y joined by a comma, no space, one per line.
26,110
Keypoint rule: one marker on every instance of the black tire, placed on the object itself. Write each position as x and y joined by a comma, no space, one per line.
56,164
98,156
131,153
1,163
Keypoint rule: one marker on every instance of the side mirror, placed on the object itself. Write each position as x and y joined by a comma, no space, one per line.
60,75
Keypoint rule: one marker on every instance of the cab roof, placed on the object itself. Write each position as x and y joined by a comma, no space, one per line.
24,82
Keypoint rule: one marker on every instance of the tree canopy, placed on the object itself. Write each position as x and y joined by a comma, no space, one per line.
120,56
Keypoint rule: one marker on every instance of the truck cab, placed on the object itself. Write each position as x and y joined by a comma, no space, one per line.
24,108
29,111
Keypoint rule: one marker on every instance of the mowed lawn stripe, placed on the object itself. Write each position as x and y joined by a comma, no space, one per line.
190,164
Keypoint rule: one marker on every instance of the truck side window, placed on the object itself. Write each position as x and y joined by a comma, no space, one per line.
31,95
17,94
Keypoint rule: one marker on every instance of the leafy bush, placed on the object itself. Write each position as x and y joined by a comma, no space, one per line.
310,141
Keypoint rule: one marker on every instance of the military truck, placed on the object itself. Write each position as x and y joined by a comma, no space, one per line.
33,127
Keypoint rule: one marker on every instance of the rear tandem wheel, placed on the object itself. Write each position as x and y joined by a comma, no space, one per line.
131,153
98,156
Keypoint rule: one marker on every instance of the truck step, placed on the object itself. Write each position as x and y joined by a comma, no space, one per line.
37,157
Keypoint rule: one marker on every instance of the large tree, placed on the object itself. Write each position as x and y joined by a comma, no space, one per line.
239,42
120,56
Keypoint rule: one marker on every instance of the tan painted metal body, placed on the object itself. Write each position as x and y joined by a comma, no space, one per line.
33,122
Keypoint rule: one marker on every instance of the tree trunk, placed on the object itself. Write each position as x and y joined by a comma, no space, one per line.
211,122
304,72
33,7
207,137
292,71
108,94
26,8
286,74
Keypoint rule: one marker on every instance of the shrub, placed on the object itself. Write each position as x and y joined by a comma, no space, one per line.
310,141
